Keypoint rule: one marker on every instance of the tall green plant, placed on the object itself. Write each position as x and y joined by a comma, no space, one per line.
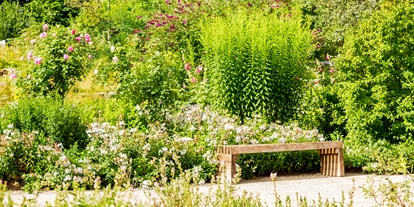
376,76
256,61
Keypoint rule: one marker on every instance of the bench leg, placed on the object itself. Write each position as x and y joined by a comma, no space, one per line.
230,165
332,162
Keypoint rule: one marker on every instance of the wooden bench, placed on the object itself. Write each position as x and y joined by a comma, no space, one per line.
332,156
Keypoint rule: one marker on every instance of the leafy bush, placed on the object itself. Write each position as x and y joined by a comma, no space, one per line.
332,19
375,76
256,61
51,118
58,60
13,18
53,11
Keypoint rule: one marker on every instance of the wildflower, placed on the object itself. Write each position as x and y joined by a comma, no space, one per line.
21,58
70,49
318,46
65,56
273,176
167,2
78,39
32,41
184,21
45,27
193,80
320,69
115,59
87,38
331,70
73,31
38,60
29,55
199,69
169,17
43,35
139,17
316,82
187,66
327,57
90,56
112,48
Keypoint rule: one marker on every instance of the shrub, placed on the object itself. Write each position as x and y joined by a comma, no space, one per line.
58,59
375,76
13,18
55,120
256,61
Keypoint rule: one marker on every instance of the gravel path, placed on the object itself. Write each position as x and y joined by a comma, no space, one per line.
309,185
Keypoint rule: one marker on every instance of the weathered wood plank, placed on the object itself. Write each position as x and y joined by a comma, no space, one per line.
261,148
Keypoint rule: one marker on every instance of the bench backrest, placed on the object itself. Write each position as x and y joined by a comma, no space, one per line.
259,148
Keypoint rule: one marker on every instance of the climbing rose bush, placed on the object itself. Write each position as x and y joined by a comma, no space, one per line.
57,60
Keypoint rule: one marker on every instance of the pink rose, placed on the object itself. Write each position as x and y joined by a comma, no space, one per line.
187,66
90,56
13,76
78,39
87,38
45,27
199,69
73,31
32,41
65,56
115,59
70,49
43,35
38,60
29,55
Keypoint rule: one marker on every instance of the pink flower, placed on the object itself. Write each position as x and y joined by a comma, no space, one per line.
193,80
187,66
115,59
70,49
184,21
331,70
13,76
139,17
65,56
90,56
78,39
38,60
32,41
316,81
320,69
43,35
327,57
54,35
199,69
45,27
87,38
29,55
167,2
73,31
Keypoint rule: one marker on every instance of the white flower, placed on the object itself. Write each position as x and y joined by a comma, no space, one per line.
112,48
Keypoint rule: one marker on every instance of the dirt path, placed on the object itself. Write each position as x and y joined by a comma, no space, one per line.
309,185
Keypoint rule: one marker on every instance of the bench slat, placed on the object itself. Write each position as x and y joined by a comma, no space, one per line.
250,149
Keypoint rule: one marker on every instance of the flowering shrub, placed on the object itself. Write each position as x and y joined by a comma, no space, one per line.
58,60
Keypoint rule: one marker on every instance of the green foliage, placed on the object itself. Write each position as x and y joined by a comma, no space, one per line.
256,61
375,74
52,11
51,118
58,59
332,19
13,18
